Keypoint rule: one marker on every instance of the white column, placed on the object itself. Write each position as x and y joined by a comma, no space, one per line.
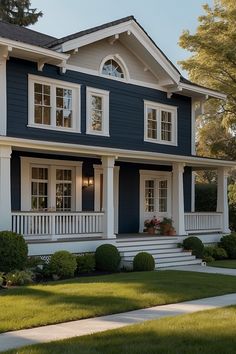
222,197
5,188
3,95
108,196
178,198
193,191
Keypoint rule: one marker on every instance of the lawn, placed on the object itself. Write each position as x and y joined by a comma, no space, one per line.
38,305
229,263
206,332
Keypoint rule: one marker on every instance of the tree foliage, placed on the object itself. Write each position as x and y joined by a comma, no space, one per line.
213,64
18,12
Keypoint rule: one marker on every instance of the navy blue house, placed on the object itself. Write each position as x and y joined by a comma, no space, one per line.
97,135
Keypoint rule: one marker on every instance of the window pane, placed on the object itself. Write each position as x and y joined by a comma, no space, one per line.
97,120
149,196
112,68
97,102
163,195
38,88
152,123
166,126
38,114
38,98
47,115
42,100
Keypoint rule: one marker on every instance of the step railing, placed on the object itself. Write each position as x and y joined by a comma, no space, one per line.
57,224
199,222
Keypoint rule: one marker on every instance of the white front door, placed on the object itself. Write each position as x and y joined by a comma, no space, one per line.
155,195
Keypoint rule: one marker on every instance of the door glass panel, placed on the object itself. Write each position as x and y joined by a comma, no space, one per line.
149,196
63,190
39,188
163,196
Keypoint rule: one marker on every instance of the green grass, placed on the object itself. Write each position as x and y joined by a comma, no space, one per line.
206,332
229,263
38,305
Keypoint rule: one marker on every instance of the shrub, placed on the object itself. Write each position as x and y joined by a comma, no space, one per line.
143,261
85,263
208,251
219,253
107,258
34,262
209,259
13,251
195,244
19,277
62,264
228,242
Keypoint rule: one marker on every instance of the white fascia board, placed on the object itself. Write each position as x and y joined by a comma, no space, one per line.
129,26
121,153
33,49
203,91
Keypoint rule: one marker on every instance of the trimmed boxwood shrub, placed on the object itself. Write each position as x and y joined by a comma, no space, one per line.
13,251
208,259
63,264
228,242
208,251
219,253
107,258
195,244
85,263
143,261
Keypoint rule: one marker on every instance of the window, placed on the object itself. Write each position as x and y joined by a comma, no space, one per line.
97,112
54,104
160,123
112,68
51,185
39,188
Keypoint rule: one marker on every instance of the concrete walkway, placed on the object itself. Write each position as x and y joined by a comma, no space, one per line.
16,339
204,269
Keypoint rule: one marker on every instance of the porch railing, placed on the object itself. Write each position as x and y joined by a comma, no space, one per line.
56,225
198,222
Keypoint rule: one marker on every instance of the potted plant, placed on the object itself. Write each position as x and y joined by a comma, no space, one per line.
152,225
166,227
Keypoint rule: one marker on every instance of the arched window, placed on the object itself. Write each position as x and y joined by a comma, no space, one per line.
112,68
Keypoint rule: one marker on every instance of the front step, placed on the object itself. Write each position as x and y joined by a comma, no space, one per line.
163,249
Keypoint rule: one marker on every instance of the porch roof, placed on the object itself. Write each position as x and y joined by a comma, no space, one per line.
119,154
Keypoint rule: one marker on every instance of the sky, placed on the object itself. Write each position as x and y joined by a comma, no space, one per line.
164,20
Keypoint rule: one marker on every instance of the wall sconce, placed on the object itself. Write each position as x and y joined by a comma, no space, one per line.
88,181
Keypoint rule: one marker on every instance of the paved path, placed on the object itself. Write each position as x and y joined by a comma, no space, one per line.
16,339
204,269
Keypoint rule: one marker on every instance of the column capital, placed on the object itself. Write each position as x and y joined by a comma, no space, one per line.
108,161
224,170
178,167
5,151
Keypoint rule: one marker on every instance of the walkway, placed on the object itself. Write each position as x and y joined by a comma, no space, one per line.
16,339
204,269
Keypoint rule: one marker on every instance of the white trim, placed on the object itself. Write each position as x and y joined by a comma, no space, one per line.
203,91
131,81
118,59
28,162
178,198
159,107
3,97
157,176
76,103
193,192
105,109
5,188
65,148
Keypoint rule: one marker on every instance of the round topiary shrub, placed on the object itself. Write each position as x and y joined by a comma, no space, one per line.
228,242
143,261
13,251
107,258
194,244
220,253
208,259
63,264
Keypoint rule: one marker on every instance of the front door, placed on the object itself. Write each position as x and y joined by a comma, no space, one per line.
155,195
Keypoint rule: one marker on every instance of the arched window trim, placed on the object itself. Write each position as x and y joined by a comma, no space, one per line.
119,60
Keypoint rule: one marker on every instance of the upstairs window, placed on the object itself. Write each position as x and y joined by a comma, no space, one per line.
54,104
97,112
160,123
112,68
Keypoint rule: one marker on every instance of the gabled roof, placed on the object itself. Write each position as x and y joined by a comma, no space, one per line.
24,35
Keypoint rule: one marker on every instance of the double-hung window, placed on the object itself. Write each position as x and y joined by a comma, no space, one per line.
54,104
160,123
97,112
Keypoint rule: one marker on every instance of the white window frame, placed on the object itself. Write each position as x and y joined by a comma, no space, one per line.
159,107
90,91
26,165
117,58
76,106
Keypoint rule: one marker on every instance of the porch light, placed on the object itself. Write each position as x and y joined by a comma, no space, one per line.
88,181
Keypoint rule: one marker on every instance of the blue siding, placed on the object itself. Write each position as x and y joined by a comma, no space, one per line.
126,111
187,189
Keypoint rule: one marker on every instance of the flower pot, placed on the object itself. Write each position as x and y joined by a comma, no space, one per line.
151,230
172,232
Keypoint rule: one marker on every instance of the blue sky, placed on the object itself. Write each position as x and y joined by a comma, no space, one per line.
164,20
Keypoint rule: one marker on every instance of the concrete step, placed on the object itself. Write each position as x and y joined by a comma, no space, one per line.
174,259
156,255
153,241
146,247
179,263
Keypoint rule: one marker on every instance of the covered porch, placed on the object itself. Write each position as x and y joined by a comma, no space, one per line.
125,189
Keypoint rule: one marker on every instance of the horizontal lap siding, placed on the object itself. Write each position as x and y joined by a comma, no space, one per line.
126,111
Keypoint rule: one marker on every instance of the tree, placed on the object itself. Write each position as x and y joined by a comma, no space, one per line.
18,12
213,64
